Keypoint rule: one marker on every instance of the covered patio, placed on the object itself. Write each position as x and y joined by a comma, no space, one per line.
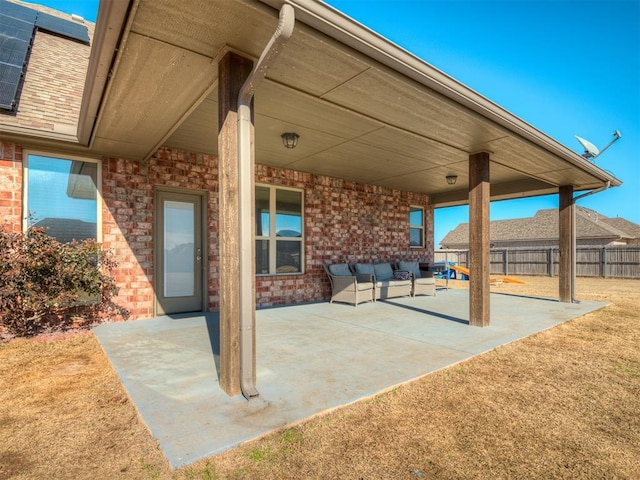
367,113
312,358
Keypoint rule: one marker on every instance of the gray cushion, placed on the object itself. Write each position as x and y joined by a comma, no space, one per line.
365,268
340,269
412,267
383,271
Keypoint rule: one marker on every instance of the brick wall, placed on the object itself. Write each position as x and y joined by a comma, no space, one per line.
128,194
11,185
344,222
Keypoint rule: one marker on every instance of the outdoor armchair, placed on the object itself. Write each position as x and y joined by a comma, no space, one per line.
423,282
348,287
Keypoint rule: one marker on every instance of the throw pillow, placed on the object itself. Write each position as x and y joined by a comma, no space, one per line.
364,268
401,275
340,269
383,271
412,267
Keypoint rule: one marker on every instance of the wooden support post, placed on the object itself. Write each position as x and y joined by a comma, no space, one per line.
479,261
233,70
506,261
567,232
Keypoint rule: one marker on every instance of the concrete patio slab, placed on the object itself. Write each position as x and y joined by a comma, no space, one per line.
310,358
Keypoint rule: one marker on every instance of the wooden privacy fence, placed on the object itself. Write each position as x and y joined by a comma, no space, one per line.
613,262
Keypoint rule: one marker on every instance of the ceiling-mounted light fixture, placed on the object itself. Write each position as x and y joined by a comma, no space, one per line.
290,139
452,179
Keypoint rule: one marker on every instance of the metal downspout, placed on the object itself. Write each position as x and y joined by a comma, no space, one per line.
245,193
574,239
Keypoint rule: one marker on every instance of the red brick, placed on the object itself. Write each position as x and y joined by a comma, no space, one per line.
344,222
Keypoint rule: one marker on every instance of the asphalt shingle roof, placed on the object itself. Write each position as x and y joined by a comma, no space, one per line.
544,226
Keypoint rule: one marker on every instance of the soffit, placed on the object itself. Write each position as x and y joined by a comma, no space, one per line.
166,66
357,119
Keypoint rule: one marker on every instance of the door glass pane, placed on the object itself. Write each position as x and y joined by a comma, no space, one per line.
288,254
179,249
262,211
288,213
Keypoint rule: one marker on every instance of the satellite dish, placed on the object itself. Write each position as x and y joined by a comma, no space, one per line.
591,151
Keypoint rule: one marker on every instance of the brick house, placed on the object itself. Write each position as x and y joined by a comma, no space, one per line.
541,231
163,127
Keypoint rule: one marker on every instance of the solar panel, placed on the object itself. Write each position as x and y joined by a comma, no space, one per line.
9,81
17,28
63,27
14,10
16,33
9,73
13,51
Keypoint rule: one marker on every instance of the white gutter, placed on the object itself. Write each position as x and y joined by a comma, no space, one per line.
246,195
597,190
342,28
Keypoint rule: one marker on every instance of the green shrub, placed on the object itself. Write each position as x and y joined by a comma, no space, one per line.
45,284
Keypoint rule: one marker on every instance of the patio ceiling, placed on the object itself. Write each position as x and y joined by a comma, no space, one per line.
365,110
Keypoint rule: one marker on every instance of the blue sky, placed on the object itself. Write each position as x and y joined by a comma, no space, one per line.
568,67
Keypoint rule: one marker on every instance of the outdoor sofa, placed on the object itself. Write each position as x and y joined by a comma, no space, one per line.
388,283
348,287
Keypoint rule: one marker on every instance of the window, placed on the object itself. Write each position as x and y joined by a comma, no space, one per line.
416,227
61,195
279,239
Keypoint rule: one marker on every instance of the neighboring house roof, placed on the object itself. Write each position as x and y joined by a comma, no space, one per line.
543,226
67,229
624,225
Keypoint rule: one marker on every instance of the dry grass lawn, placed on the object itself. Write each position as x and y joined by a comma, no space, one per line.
562,404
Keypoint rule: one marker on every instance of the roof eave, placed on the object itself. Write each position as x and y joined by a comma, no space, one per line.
337,25
25,134
110,26
35,139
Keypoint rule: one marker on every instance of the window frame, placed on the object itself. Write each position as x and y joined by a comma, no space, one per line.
272,238
420,227
60,156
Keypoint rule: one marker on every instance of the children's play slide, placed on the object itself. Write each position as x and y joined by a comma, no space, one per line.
462,270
